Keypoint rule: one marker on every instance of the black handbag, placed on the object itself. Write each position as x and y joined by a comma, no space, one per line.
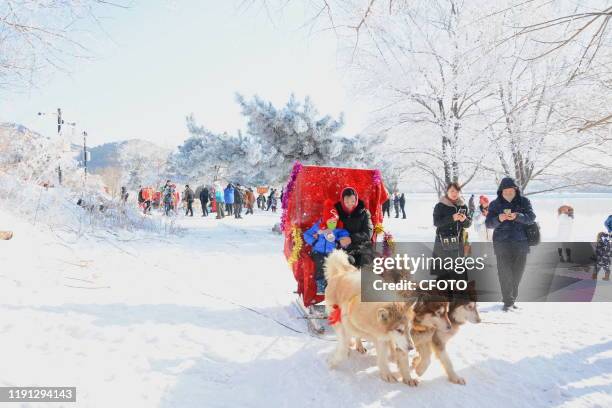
450,243
533,233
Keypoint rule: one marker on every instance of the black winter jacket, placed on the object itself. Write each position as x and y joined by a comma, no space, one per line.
510,231
204,195
189,195
443,218
237,196
358,223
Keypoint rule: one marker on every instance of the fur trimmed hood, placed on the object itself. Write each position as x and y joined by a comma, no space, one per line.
447,202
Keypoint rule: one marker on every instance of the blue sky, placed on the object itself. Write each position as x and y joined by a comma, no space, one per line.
165,59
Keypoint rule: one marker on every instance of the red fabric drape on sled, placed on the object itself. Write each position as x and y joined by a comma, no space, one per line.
312,187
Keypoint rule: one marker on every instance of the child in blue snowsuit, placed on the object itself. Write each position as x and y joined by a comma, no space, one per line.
323,238
603,251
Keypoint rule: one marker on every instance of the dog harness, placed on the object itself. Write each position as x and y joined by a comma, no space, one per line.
335,316
417,327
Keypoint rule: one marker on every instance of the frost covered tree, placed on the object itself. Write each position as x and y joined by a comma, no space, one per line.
537,130
530,137
579,30
453,79
142,163
39,36
423,65
30,156
297,131
274,139
206,156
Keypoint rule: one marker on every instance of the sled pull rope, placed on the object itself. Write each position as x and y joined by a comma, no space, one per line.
510,324
257,312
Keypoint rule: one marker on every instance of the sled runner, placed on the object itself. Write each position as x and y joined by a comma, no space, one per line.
303,198
315,316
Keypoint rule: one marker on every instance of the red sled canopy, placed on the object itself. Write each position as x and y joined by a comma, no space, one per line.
303,198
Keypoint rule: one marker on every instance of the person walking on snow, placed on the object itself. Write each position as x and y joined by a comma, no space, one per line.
237,201
270,199
479,220
168,197
402,204
508,214
189,197
450,217
603,251
386,208
396,204
228,195
274,201
124,194
220,200
140,197
261,201
204,201
471,206
565,216
249,199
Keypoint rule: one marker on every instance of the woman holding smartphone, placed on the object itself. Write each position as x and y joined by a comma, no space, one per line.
450,217
508,214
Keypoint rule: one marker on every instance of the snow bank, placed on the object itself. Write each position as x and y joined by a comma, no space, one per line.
58,209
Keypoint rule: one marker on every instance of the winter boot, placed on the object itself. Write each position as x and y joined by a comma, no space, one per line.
560,252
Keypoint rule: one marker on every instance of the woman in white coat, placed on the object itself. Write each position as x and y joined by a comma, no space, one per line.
484,234
565,215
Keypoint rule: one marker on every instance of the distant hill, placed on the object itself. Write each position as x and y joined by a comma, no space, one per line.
109,154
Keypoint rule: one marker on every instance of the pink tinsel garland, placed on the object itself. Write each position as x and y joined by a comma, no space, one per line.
376,178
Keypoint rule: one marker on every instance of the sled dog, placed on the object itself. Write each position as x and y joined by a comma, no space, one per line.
461,310
385,324
430,316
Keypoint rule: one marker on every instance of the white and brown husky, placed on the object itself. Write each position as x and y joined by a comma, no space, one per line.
461,310
430,316
385,324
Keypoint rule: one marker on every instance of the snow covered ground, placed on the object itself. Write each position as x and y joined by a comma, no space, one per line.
205,318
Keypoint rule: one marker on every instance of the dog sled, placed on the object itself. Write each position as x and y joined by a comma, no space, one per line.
306,191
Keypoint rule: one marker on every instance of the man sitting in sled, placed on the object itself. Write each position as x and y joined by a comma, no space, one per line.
356,219
324,237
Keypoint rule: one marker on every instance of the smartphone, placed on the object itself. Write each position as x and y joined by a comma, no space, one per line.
462,211
507,211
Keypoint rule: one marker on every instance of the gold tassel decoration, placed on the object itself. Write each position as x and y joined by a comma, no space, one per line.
298,243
